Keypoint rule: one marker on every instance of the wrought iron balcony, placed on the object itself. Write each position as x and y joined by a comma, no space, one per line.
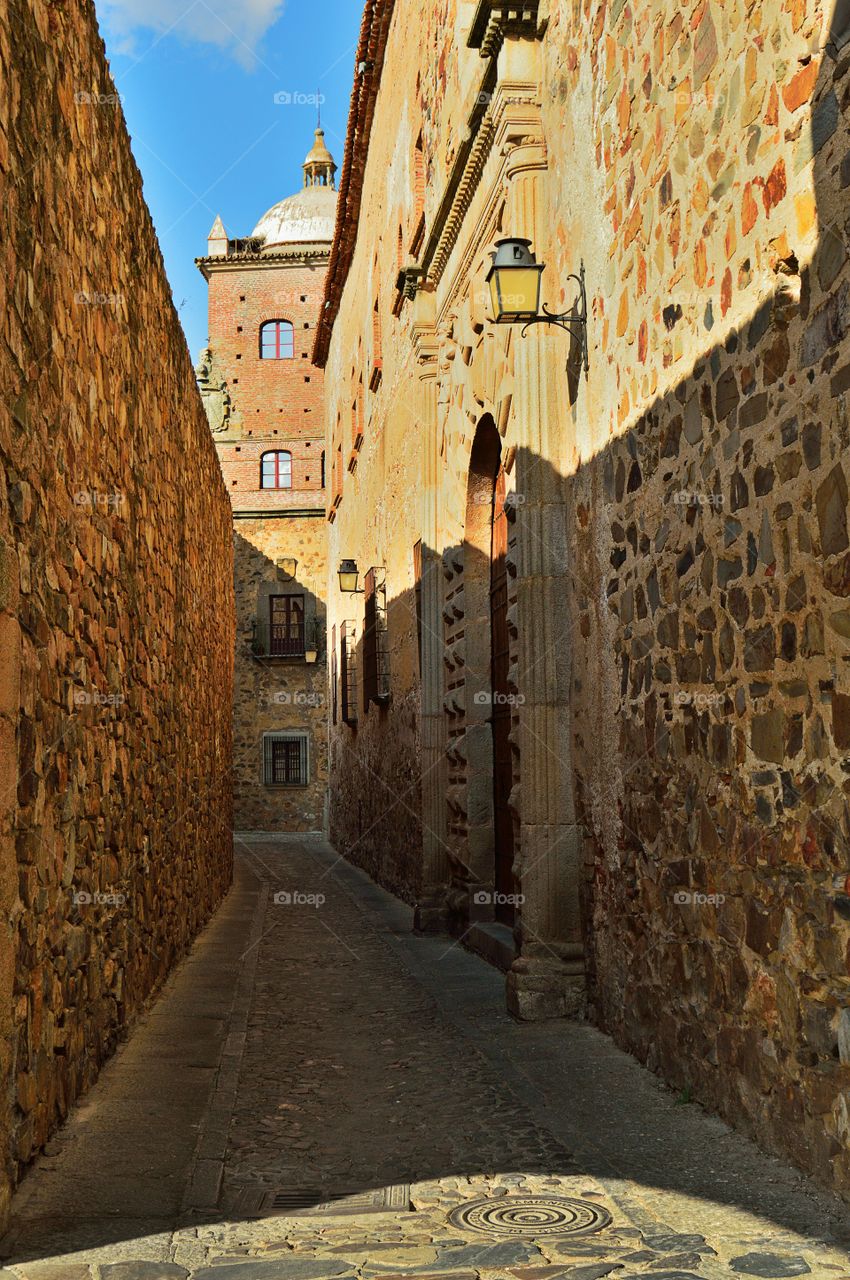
272,640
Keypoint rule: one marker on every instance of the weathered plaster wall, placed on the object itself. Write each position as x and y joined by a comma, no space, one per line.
116,634
709,544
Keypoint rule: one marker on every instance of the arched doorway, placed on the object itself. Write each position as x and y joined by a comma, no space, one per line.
488,702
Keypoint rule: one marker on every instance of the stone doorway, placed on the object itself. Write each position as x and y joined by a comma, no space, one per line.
488,705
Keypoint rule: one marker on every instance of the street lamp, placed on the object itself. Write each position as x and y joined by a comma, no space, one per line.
348,575
514,280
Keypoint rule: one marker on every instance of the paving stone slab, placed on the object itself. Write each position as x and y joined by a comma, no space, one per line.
661,1275
143,1271
770,1266
273,1269
678,1244
594,1271
50,1271
502,1254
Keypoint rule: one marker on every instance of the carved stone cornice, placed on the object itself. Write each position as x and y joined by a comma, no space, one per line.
510,120
495,20
426,341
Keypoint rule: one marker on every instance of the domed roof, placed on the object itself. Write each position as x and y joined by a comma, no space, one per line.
305,218
309,217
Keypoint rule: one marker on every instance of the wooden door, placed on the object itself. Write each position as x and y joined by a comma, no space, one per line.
501,707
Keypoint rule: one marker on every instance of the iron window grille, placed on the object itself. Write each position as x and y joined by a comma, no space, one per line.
376,681
348,673
286,759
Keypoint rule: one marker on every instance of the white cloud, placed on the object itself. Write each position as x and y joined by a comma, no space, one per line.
237,27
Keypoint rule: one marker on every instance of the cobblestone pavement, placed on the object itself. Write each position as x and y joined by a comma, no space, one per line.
317,1089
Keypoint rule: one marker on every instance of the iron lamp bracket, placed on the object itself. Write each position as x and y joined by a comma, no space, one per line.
574,321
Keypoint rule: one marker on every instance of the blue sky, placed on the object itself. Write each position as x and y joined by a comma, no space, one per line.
198,86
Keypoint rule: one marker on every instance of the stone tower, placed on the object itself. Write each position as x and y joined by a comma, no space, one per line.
264,404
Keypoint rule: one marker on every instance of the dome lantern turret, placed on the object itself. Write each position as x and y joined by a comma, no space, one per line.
319,166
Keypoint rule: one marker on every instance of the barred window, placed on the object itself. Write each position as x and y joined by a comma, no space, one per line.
376,685
348,673
286,759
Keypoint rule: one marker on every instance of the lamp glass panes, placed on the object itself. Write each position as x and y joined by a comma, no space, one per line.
514,280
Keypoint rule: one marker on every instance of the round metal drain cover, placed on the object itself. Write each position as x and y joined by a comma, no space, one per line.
530,1216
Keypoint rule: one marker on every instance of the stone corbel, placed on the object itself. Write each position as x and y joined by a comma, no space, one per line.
426,343
495,20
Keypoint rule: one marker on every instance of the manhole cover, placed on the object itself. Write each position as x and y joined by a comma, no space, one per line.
530,1216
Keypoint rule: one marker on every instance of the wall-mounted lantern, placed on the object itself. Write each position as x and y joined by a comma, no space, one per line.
514,280
349,575
311,649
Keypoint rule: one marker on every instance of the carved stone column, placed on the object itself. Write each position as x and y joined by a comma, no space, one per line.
431,913
547,977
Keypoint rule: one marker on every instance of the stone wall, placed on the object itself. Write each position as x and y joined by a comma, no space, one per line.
708,542
279,694
116,634
681,531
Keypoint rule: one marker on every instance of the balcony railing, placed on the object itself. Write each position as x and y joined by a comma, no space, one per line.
269,640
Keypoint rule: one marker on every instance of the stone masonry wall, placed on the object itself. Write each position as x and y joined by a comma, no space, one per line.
697,164
116,634
708,536
275,694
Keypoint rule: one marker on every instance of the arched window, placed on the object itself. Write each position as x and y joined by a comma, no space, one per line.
276,470
277,340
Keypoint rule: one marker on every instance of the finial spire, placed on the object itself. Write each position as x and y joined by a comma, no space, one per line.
319,166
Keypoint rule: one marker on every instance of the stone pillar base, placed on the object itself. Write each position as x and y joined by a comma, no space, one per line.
539,989
431,913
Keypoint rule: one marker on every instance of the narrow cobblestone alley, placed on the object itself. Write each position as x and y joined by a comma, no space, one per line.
312,1047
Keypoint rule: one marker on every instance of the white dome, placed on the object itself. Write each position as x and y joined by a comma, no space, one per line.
306,218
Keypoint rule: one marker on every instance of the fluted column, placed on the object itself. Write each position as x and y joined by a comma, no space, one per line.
431,915
547,977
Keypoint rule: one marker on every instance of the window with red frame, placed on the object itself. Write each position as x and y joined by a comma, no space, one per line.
276,470
277,340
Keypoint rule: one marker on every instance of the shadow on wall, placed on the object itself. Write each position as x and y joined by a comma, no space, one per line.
279,620
709,635
375,752
711,571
